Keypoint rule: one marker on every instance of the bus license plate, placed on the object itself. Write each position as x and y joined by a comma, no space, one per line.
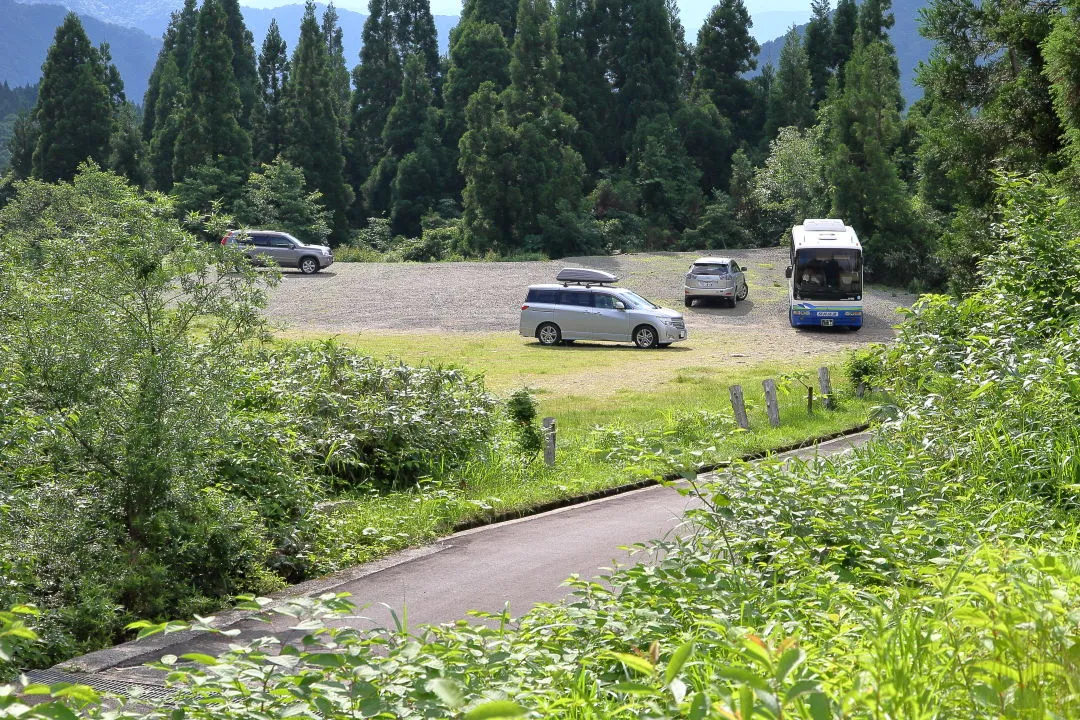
828,314
826,323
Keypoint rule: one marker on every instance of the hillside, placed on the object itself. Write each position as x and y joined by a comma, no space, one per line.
911,47
27,32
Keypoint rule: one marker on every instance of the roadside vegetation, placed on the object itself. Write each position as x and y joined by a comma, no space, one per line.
163,452
931,573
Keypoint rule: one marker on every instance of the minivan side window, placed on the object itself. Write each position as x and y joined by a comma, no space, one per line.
604,301
537,295
581,299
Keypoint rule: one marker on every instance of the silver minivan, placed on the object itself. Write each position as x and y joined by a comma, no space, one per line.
281,248
588,308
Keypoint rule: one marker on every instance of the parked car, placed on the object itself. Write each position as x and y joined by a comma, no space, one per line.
281,248
715,277
583,305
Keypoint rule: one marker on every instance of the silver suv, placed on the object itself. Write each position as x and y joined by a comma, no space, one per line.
582,306
717,277
281,248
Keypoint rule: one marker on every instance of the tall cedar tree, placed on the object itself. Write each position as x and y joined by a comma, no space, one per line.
411,119
844,27
410,138
74,111
210,131
582,82
339,71
819,50
376,86
867,189
725,52
176,43
478,54
312,129
24,135
169,107
414,34
268,117
651,66
501,12
492,196
683,50
790,101
670,192
243,60
875,19
1062,52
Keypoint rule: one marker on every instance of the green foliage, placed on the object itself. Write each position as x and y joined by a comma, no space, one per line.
268,115
817,43
276,198
865,365
669,182
928,574
521,406
725,51
74,110
790,100
718,227
791,186
313,135
209,126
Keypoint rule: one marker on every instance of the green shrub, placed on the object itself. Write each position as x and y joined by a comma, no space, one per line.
521,406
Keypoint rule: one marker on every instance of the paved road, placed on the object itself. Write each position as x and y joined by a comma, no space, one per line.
520,562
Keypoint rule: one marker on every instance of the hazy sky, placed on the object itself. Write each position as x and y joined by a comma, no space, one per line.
771,18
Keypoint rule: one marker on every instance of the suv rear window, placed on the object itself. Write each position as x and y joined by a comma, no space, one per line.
542,296
709,269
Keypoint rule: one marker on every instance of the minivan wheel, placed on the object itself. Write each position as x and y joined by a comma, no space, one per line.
309,265
548,334
645,336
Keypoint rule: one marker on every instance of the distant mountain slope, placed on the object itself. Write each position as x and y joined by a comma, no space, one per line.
27,31
150,16
911,47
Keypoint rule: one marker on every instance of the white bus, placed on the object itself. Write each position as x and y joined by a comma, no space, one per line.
825,278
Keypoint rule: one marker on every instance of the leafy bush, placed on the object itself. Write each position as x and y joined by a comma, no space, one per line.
522,409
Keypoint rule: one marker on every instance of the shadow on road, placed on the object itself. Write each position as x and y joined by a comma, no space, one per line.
718,308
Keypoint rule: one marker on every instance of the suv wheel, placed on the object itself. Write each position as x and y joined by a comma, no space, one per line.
548,334
309,265
645,336
741,295
688,301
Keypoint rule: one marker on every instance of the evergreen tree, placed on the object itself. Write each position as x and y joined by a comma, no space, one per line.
276,197
867,190
268,117
651,66
582,82
176,43
707,138
670,195
170,103
127,149
339,72
492,194
683,50
24,135
209,129
819,49
874,22
411,120
790,101
844,26
1062,51
501,12
479,54
312,129
377,85
245,72
725,52
414,34
74,111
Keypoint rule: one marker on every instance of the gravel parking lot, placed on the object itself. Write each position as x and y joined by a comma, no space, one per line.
484,297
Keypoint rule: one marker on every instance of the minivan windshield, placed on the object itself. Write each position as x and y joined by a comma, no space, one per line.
828,274
635,301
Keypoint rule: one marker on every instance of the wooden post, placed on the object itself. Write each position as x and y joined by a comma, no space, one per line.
826,387
860,390
549,441
770,402
810,400
739,406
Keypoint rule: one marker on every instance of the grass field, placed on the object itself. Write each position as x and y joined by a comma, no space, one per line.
622,415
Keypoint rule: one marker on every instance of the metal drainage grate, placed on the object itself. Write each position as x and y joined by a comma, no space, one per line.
105,684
